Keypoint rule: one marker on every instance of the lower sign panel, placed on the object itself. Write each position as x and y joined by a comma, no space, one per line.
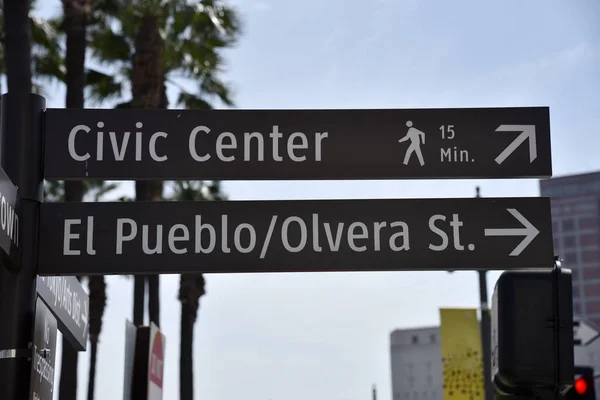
295,236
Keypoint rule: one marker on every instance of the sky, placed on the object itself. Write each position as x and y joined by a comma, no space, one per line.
326,335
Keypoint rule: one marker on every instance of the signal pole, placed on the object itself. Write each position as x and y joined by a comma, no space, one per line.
21,158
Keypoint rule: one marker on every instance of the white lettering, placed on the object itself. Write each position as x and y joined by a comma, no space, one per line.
90,236
402,234
145,240
439,232
120,229
276,135
68,236
376,238
119,153
291,147
192,144
152,148
237,238
352,236
315,226
285,238
334,245
174,238
225,146
259,145
318,138
224,246
71,143
211,234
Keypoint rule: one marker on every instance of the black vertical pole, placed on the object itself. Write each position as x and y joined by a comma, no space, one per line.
22,161
486,331
21,158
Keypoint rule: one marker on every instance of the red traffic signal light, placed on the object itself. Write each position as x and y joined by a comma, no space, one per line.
580,386
583,384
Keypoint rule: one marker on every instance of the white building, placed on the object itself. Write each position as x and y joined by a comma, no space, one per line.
416,360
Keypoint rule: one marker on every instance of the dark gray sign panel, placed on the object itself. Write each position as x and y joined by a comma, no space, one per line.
44,353
69,302
128,144
288,236
9,220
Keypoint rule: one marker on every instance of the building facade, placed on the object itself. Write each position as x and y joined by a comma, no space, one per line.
575,203
416,356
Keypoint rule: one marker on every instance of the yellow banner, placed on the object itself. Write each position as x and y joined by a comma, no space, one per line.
462,360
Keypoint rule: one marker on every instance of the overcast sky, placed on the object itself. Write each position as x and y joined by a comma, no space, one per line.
326,336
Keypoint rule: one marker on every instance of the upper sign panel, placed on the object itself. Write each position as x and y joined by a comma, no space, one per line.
127,144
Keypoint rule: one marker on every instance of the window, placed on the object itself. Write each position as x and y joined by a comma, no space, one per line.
429,381
569,241
568,225
570,259
415,339
432,338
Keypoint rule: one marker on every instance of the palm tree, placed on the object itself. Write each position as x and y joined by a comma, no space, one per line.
170,41
191,287
46,60
56,191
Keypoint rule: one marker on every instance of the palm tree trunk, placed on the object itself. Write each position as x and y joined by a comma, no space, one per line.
97,288
191,288
147,89
92,373
153,299
155,191
75,19
186,347
139,297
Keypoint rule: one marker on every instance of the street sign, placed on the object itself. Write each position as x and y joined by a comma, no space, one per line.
288,236
156,363
585,333
69,302
9,220
44,354
140,144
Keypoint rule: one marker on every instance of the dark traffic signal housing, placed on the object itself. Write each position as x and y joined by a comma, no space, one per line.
532,332
583,385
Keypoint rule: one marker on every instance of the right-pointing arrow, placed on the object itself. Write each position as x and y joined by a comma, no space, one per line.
527,132
528,230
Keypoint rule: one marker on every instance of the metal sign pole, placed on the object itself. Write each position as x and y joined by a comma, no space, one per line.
22,160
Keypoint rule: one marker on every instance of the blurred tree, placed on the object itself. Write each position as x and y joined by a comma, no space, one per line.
46,57
159,43
74,24
95,189
191,286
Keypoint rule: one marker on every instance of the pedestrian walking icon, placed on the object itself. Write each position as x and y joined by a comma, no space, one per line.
416,138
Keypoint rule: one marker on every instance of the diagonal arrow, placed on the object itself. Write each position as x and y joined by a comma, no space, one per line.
528,230
527,132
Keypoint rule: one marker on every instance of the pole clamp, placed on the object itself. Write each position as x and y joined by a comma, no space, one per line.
15,353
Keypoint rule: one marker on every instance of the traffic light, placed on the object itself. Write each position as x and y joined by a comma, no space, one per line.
532,332
583,385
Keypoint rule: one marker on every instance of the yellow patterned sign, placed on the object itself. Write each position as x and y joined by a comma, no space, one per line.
462,360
